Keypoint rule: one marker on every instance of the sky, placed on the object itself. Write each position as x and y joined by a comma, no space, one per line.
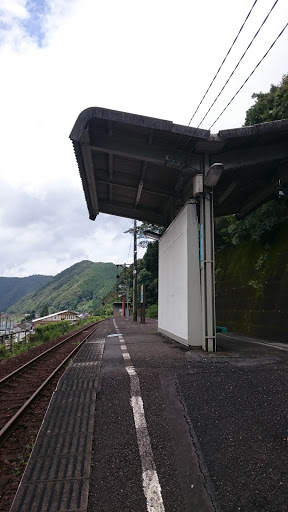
154,58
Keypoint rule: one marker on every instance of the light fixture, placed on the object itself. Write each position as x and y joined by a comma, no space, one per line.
152,234
213,175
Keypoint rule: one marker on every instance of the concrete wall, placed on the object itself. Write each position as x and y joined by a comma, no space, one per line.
179,302
252,287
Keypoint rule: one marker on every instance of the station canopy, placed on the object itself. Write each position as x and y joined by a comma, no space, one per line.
143,168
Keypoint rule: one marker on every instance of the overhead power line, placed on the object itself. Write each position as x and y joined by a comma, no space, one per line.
279,35
223,62
220,67
238,63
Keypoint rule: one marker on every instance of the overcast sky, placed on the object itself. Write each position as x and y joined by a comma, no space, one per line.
152,57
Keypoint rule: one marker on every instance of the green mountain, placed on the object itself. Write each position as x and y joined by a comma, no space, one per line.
80,287
13,289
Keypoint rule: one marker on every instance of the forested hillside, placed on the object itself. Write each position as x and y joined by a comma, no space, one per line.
80,287
13,289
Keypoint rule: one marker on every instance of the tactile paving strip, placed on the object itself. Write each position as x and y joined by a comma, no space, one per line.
49,496
57,474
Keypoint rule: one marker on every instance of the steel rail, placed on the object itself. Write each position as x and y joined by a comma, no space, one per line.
10,426
21,368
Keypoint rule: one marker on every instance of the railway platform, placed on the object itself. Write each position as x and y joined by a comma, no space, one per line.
138,423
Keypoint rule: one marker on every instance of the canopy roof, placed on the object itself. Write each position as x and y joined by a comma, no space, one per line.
143,168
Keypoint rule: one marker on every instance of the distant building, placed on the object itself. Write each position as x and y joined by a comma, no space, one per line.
70,316
120,309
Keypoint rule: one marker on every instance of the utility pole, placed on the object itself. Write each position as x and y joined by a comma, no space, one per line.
135,274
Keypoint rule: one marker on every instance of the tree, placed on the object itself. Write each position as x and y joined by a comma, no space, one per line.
44,311
30,316
148,273
259,225
269,106
262,223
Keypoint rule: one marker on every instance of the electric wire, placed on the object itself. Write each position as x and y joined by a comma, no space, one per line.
257,32
238,63
252,72
223,61
257,65
213,80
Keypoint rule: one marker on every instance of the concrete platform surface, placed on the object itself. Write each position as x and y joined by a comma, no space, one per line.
138,423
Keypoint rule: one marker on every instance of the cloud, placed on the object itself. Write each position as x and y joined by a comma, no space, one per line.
13,10
24,21
151,58
50,233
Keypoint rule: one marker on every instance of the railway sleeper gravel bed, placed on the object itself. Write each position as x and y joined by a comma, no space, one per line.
15,451
7,366
18,387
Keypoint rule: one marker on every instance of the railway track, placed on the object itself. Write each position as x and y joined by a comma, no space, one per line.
19,389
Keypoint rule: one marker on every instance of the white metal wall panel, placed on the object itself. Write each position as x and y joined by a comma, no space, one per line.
179,304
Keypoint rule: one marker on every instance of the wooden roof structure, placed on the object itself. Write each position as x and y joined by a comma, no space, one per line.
142,168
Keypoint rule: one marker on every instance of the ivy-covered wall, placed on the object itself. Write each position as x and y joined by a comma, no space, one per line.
252,287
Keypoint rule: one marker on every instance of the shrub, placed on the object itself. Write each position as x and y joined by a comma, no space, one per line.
48,332
152,311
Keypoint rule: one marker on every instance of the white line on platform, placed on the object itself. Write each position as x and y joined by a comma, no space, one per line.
130,370
138,409
271,345
150,480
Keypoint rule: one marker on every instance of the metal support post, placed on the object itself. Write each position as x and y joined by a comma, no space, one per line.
207,271
143,306
135,274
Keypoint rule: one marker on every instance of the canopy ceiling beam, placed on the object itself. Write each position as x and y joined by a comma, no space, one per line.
141,183
155,191
140,214
227,192
257,199
152,153
110,169
240,158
